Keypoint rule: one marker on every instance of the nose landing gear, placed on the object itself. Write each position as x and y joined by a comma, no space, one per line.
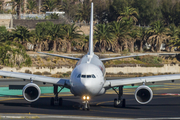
85,103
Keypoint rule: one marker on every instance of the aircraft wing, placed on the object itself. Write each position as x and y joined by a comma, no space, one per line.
113,58
126,81
59,56
40,78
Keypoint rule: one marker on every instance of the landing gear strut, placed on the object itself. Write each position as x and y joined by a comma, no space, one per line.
85,103
119,101
55,100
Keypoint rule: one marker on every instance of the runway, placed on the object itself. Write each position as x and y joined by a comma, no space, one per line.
165,104
161,106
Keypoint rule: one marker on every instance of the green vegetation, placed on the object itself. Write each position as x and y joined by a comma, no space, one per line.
13,54
122,26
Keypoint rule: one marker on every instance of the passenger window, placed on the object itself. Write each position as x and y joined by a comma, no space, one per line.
88,76
83,76
93,76
79,76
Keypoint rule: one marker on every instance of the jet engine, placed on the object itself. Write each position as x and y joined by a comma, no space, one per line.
143,94
31,92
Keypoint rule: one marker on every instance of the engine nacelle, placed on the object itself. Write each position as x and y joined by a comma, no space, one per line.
31,92
143,94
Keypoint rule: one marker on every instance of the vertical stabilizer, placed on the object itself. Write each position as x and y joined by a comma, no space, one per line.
91,32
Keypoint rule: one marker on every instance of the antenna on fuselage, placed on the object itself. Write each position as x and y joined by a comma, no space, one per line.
91,32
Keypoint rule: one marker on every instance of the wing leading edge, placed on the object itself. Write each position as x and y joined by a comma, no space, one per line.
57,81
126,81
113,58
59,56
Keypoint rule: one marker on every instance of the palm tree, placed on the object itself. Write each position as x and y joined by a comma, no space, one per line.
17,6
83,13
56,32
32,6
173,34
103,35
5,35
21,34
142,36
129,13
71,33
120,30
39,34
158,32
50,5
133,35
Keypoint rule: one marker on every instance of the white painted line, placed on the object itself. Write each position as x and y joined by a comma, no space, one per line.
82,118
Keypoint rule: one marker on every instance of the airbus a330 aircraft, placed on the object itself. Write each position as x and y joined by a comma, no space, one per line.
88,80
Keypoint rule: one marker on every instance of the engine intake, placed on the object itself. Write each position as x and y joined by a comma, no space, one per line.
31,92
143,94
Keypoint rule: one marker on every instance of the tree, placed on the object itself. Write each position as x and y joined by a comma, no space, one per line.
133,35
1,7
50,5
174,36
32,6
121,29
142,36
101,9
17,6
128,13
56,32
38,34
21,34
83,13
158,32
103,35
5,35
71,33
148,11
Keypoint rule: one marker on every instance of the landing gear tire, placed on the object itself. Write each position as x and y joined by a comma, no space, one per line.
115,103
124,103
86,106
52,101
60,101
119,102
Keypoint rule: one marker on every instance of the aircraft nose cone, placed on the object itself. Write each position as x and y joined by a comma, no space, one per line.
89,87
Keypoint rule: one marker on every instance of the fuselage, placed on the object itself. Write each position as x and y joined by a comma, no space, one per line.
87,78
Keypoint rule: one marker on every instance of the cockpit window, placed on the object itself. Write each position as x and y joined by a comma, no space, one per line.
88,76
83,76
79,76
93,76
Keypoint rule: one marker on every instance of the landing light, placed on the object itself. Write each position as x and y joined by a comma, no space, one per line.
86,97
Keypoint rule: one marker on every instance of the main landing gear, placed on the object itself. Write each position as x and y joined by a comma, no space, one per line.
85,103
55,100
119,102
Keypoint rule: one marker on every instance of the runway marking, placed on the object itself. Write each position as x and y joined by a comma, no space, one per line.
40,97
81,117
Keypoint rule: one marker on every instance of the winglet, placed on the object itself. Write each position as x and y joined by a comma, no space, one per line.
91,32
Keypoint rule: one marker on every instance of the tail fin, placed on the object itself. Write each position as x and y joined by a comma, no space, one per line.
91,32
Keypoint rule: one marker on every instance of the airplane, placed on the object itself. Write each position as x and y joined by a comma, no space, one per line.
87,80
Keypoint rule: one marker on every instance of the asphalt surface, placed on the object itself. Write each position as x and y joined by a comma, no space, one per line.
165,105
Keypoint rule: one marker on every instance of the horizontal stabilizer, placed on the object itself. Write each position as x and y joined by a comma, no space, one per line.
121,57
73,58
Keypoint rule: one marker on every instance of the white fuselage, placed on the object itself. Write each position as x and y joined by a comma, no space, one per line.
87,78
